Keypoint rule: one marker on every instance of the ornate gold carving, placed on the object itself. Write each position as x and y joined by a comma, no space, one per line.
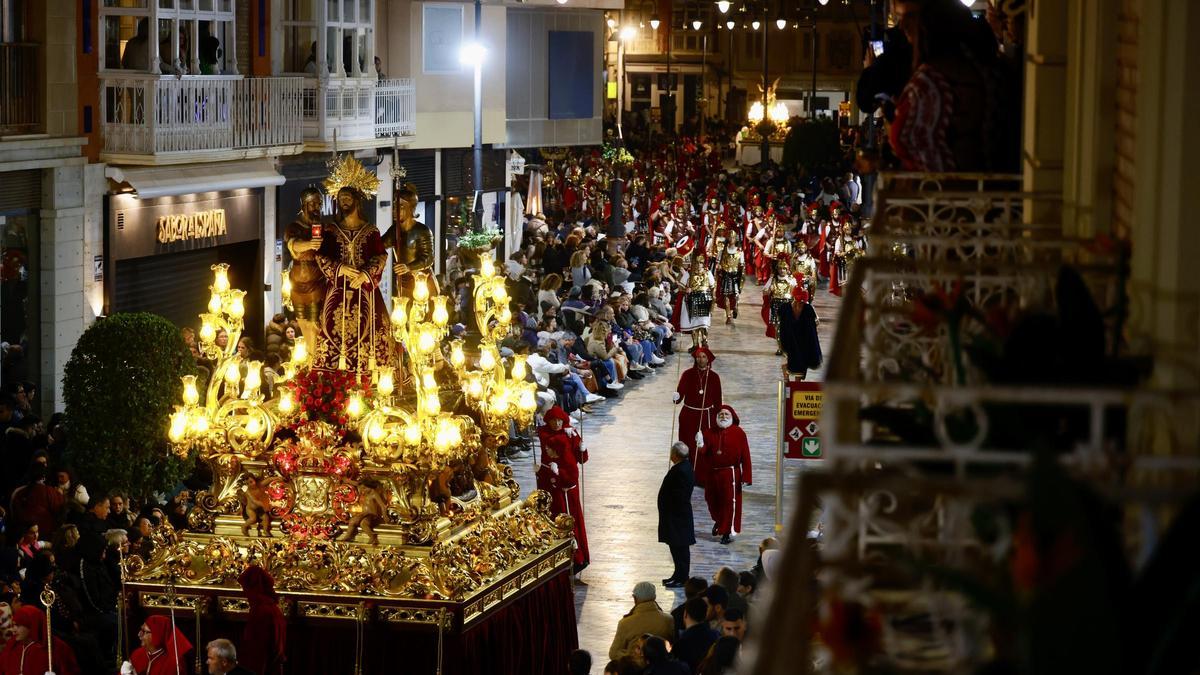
417,616
348,172
330,610
492,544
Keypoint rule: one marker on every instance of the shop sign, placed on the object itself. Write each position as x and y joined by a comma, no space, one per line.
145,227
186,226
801,425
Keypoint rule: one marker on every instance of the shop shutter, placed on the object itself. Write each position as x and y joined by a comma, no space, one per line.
174,286
20,190
421,172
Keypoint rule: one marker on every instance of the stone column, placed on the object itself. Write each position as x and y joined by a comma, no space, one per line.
62,274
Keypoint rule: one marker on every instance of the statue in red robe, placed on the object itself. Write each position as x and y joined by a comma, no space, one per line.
723,467
355,333
560,475
699,392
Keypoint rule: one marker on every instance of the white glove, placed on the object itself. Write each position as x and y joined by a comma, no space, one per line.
699,438
127,669
675,397
571,431
553,466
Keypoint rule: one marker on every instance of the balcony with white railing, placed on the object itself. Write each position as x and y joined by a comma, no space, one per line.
153,119
357,112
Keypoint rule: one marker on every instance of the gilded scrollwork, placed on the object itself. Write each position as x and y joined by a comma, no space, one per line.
452,570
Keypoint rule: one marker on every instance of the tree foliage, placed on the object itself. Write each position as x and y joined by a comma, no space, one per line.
120,386
813,145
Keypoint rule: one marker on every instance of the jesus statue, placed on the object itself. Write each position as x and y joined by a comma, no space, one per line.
354,328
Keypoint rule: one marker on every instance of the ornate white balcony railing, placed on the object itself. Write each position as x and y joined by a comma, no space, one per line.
395,108
150,115
928,444
358,109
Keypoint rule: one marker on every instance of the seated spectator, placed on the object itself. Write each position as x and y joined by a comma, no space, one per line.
717,599
728,579
645,617
697,637
692,588
659,660
579,663
548,292
722,657
747,583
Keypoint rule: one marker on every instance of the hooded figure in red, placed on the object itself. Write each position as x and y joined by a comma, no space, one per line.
723,467
164,650
28,655
559,474
264,640
699,392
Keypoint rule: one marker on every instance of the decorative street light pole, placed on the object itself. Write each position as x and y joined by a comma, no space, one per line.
766,137
472,54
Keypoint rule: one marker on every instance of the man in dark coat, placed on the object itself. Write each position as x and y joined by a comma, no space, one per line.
676,528
798,336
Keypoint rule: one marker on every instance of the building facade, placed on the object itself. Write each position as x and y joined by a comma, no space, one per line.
163,136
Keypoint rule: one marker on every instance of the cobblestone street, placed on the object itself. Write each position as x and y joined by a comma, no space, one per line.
628,440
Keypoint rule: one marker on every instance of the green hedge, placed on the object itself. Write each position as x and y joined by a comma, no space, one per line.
120,386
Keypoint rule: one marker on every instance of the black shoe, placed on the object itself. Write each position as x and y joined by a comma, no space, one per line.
735,313
726,539
608,393
635,375
668,580
673,584
714,530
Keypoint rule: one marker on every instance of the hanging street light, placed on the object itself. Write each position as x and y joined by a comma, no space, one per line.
696,23
654,21
781,23
729,24
723,6
755,24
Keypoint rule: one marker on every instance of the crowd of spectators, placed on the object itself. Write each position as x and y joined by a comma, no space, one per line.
702,635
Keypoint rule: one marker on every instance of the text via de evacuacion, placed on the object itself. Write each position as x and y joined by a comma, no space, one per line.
806,405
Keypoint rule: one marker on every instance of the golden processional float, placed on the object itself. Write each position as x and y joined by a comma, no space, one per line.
372,496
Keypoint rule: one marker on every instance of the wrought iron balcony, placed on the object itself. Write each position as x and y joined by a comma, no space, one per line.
20,109
152,119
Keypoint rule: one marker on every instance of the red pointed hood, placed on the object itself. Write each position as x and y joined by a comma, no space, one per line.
557,413
736,420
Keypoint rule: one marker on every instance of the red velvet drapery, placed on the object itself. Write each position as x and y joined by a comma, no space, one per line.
532,635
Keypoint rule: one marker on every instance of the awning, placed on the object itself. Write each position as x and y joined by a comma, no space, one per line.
163,181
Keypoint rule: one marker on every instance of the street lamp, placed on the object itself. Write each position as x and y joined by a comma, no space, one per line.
472,54
781,23
696,23
654,21
612,23
723,6
729,24
625,34
755,24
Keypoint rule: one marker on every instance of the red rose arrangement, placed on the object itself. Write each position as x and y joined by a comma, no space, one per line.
322,395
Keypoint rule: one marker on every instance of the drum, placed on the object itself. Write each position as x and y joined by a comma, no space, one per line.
700,303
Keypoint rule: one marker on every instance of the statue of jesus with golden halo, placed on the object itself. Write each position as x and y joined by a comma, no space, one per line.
355,333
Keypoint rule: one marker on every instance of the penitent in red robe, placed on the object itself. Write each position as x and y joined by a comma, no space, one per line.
559,475
723,464
700,396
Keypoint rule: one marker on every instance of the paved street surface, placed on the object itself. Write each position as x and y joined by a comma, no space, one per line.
628,440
